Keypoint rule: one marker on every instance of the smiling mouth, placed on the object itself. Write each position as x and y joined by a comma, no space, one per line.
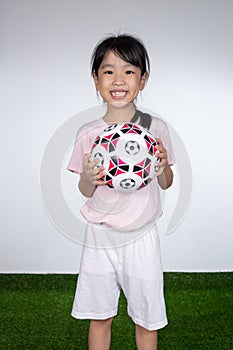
118,94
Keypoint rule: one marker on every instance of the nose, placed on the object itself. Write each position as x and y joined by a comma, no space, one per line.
118,79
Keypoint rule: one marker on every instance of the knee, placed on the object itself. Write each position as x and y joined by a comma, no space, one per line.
102,323
146,339
143,331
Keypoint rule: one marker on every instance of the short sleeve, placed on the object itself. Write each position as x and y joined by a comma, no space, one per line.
83,144
160,129
76,161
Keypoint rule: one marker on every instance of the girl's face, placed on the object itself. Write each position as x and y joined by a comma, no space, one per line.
118,82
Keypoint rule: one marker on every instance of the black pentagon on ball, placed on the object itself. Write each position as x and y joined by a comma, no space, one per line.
132,147
101,158
127,183
110,127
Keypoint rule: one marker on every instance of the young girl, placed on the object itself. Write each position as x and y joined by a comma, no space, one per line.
120,69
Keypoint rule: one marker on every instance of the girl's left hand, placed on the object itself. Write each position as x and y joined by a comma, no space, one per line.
162,155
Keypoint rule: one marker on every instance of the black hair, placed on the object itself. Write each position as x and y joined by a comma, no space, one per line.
131,50
127,47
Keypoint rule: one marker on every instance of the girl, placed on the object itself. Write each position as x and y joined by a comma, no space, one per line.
120,69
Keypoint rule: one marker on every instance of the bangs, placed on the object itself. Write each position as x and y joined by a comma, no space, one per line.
128,53
128,48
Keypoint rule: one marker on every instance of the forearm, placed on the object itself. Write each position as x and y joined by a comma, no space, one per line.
166,178
86,188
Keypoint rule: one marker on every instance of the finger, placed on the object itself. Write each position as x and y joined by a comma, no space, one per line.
97,172
87,156
159,171
162,152
160,148
95,176
163,155
99,179
159,142
86,160
93,163
101,183
160,163
101,170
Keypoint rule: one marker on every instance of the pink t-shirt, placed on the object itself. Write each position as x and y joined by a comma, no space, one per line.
121,211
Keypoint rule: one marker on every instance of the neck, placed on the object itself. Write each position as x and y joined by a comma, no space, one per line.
119,114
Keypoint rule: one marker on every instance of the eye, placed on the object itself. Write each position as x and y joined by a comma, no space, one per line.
129,72
108,72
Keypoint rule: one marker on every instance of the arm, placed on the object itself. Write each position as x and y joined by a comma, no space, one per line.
90,177
165,173
166,178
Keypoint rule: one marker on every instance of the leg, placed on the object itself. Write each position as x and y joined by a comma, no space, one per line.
99,337
146,340
143,287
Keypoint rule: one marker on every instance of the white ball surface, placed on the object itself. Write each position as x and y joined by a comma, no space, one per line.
129,154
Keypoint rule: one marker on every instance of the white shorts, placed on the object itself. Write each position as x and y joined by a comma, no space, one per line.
135,268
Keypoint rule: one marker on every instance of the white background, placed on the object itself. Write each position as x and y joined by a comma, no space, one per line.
45,79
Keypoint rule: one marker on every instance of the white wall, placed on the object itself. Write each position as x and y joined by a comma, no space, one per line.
45,80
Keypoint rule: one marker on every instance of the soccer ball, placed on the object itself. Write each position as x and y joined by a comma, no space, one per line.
128,153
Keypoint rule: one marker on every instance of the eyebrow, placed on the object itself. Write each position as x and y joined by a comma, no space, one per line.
108,65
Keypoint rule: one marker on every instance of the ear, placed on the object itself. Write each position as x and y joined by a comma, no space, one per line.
143,81
96,81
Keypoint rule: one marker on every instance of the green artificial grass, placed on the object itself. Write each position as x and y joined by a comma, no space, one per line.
35,314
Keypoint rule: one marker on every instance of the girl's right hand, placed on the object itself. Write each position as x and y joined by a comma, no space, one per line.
91,173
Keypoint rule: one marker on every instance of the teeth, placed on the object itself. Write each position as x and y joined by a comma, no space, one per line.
118,93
